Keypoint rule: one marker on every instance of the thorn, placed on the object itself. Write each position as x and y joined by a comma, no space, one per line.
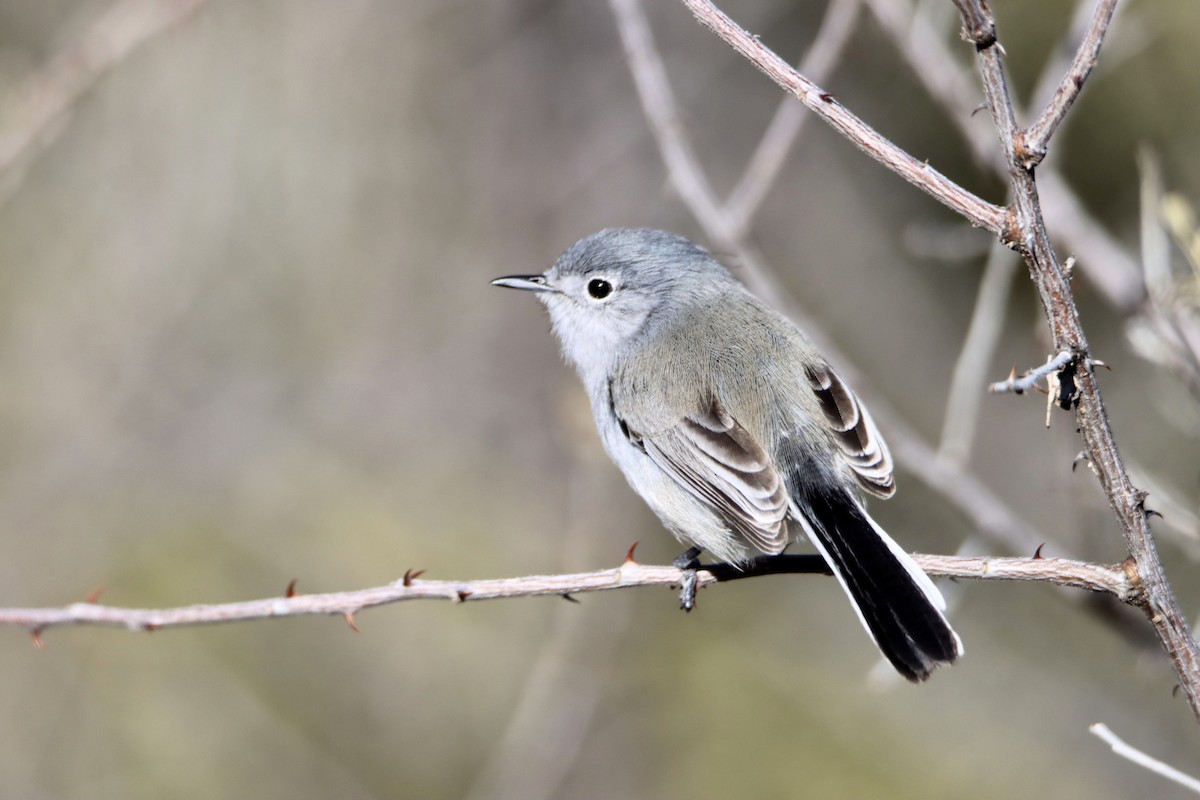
411,575
1080,457
629,555
1150,512
567,596
978,108
349,617
1095,362
1000,47
93,595
291,589
1175,690
36,633
1069,267
463,594
827,97
1037,554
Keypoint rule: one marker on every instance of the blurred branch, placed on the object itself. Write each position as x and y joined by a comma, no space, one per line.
764,166
1127,751
1114,579
966,385
1053,285
31,116
666,121
993,518
1166,329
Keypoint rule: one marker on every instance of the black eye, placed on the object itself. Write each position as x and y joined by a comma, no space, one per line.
599,288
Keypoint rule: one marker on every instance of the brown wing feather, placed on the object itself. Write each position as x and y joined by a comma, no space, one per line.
718,460
854,431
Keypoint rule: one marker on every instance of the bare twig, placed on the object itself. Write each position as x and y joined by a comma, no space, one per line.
1125,750
1053,286
944,77
1022,384
991,217
1113,579
1037,137
1064,52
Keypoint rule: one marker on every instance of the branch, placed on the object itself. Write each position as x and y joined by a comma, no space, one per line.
1027,381
1127,751
1038,136
1022,227
1113,579
666,121
991,217
1054,288
983,334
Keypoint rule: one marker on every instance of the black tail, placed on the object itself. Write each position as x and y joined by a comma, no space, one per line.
895,600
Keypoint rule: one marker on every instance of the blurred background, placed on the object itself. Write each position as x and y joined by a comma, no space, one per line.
246,336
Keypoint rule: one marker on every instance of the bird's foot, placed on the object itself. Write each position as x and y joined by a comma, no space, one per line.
688,562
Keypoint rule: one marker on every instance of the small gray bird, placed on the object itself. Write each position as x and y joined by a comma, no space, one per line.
733,428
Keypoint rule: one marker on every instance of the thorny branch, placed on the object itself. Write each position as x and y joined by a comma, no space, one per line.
1020,226
1053,285
1113,579
1023,383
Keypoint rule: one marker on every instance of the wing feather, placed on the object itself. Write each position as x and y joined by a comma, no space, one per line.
717,459
853,430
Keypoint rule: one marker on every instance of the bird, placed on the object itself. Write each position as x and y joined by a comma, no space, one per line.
733,428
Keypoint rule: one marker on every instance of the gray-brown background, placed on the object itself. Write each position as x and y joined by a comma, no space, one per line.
246,335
